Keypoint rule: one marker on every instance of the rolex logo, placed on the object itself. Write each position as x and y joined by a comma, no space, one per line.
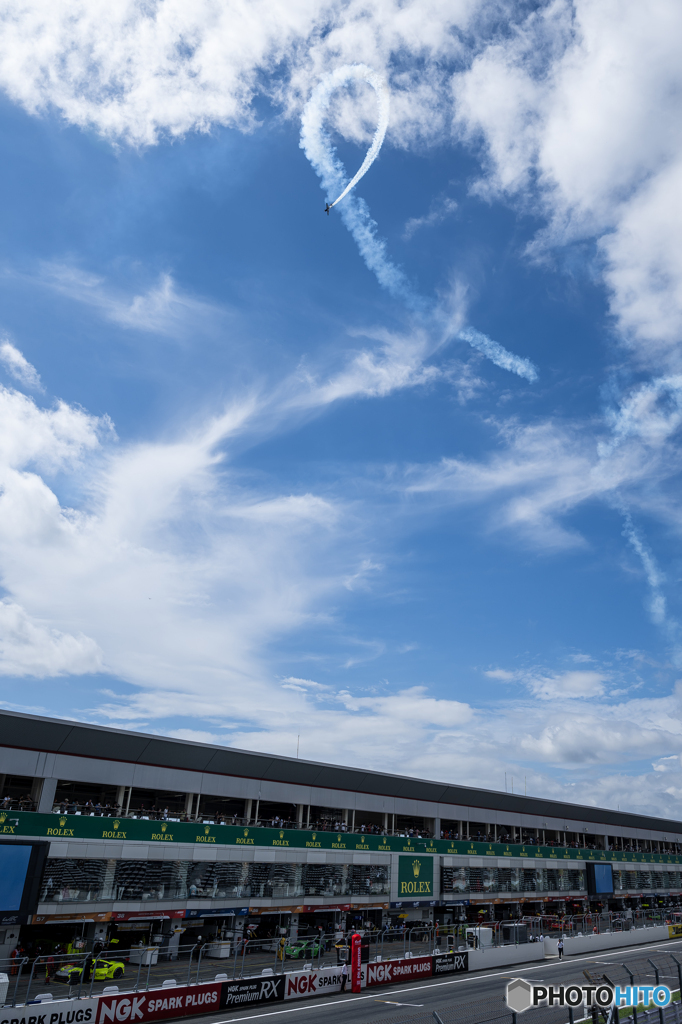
416,867
3,817
281,835
207,830
164,827
338,839
117,823
314,836
246,831
62,822
362,839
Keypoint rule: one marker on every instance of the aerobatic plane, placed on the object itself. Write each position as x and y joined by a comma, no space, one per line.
327,209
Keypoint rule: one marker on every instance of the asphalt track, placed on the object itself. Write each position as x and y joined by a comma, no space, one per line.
396,1004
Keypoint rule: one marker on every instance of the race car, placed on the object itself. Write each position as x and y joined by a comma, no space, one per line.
302,948
70,974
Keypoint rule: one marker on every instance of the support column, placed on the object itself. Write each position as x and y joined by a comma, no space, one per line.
120,798
45,800
189,804
299,815
247,811
307,817
385,823
255,815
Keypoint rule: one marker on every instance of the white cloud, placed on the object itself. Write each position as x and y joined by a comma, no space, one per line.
438,212
134,72
501,674
162,309
28,648
578,106
567,685
19,367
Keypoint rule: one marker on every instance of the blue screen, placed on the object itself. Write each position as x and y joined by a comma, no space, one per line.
13,867
603,878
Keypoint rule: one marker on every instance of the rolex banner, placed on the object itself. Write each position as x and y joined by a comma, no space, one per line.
415,878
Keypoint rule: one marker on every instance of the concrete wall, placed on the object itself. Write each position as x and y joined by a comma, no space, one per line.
608,940
484,959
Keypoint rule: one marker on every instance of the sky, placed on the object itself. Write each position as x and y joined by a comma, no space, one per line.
397,487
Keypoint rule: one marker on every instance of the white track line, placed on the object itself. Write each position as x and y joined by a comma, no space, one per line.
439,984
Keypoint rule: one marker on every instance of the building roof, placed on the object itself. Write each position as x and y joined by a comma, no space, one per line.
61,736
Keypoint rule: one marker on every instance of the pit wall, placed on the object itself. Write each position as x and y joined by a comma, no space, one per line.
591,943
499,956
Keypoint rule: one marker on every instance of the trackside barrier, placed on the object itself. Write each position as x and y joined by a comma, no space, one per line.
62,1011
191,1000
592,942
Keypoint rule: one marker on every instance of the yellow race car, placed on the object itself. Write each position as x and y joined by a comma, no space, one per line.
70,974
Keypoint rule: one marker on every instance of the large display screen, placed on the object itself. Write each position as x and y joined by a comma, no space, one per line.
599,879
14,861
21,868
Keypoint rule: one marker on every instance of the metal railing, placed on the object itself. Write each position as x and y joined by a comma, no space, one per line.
600,923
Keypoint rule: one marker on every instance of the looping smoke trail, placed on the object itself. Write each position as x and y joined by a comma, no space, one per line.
314,140
318,148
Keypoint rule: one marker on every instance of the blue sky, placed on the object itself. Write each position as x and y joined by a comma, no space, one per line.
249,494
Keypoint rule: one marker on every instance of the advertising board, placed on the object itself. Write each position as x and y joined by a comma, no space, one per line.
252,990
159,1004
75,1011
451,963
391,971
303,984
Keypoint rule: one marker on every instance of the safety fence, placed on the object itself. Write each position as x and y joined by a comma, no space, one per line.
599,923
97,988
141,968
176,997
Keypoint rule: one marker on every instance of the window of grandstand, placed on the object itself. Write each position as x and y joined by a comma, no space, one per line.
18,792
67,880
222,808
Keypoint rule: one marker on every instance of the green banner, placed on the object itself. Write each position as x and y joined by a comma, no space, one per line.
76,826
415,878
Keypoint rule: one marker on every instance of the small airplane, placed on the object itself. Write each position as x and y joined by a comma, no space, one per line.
327,209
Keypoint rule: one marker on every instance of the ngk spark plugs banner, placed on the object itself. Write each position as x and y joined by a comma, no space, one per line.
303,984
391,971
160,1004
63,1011
394,971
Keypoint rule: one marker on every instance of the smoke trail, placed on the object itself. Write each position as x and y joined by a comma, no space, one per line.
652,411
498,355
317,146
654,576
316,143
